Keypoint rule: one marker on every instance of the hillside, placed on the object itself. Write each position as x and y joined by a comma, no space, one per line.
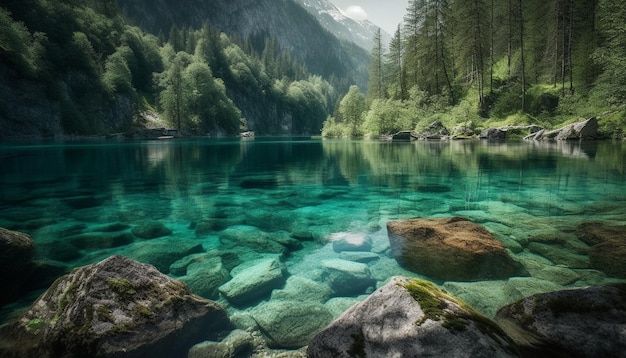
296,30
77,67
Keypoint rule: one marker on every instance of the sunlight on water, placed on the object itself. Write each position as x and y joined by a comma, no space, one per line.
208,212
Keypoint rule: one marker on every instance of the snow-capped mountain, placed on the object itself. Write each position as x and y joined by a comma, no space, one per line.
345,28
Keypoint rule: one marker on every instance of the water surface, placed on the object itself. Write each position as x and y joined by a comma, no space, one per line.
81,201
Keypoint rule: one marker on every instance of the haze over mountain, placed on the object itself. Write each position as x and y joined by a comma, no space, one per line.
342,26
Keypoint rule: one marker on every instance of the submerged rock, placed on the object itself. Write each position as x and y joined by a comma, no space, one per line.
452,249
254,282
347,278
16,253
151,230
117,307
290,324
238,343
162,253
409,318
346,241
608,246
204,278
587,322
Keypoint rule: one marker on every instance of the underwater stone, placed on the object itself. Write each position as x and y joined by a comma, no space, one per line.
298,288
409,318
290,324
560,255
450,249
586,322
151,230
238,343
346,241
250,237
519,287
117,307
254,282
162,252
100,240
347,278
608,250
204,278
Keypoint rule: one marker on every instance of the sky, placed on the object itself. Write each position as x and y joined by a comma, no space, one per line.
385,13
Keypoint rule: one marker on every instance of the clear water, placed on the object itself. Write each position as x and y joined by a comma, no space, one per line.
310,190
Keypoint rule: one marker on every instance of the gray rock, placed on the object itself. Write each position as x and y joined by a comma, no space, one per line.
584,130
347,241
586,322
151,230
493,134
117,307
347,278
254,282
290,324
410,318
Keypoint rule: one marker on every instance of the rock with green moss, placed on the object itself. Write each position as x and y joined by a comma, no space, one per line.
117,307
409,318
585,322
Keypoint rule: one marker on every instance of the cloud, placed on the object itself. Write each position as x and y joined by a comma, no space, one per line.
356,12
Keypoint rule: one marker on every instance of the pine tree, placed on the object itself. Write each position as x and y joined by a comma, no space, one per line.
375,86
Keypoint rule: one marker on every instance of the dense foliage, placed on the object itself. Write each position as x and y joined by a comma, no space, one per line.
99,71
481,63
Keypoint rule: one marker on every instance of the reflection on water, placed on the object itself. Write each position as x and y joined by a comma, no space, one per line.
270,192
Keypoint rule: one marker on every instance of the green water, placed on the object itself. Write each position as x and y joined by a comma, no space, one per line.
300,192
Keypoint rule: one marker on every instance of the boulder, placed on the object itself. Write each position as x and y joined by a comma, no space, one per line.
163,252
252,238
290,324
346,241
254,282
403,136
299,288
347,278
453,249
410,318
608,246
584,130
117,307
435,130
16,253
493,134
586,322
151,230
238,343
204,278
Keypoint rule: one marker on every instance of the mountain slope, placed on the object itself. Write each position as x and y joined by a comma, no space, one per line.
295,29
345,28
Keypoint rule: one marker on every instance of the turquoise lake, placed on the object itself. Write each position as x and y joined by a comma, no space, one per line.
81,201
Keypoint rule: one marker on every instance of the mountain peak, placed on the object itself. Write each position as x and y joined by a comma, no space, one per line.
343,26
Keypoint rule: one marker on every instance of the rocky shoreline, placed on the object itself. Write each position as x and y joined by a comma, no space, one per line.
121,307
583,130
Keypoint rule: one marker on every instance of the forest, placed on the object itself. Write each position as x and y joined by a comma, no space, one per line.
475,64
93,68
78,67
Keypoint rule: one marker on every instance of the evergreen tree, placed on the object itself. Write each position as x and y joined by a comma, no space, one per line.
375,86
